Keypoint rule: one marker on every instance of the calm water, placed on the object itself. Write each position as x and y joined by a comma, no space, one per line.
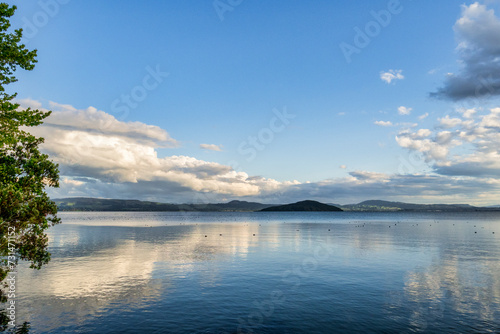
267,273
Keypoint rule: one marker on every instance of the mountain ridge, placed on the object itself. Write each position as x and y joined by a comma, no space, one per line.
100,204
381,205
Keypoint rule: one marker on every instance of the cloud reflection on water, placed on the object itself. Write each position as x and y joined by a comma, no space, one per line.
103,270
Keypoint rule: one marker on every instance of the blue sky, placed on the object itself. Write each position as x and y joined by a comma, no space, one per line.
184,86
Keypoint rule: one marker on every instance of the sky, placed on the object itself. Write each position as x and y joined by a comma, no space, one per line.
272,101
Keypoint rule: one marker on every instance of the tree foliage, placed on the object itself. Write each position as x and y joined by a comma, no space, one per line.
26,212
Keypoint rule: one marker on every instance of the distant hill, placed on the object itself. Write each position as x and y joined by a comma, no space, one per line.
377,205
101,204
303,206
231,206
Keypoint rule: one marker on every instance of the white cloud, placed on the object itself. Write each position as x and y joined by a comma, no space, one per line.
93,144
29,103
478,28
100,156
492,120
362,185
478,35
404,110
72,182
391,75
101,125
444,137
478,133
369,176
342,166
211,147
424,116
448,122
468,113
407,125
433,71
422,133
431,149
383,123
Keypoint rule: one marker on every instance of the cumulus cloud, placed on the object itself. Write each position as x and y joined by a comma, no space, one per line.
100,156
404,110
100,125
419,141
383,123
478,136
29,103
447,122
478,35
94,145
369,176
391,75
361,185
357,186
424,116
211,147
468,113
72,182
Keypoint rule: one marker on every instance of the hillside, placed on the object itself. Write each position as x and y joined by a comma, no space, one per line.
377,205
303,206
100,204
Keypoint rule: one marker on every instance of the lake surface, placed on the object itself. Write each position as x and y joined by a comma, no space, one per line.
223,273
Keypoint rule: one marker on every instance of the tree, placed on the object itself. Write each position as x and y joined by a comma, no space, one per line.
26,212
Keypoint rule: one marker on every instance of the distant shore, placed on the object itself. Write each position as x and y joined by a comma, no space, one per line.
99,204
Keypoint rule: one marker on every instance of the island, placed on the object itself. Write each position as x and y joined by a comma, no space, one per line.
303,206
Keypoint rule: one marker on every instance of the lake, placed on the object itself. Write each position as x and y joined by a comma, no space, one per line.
224,273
